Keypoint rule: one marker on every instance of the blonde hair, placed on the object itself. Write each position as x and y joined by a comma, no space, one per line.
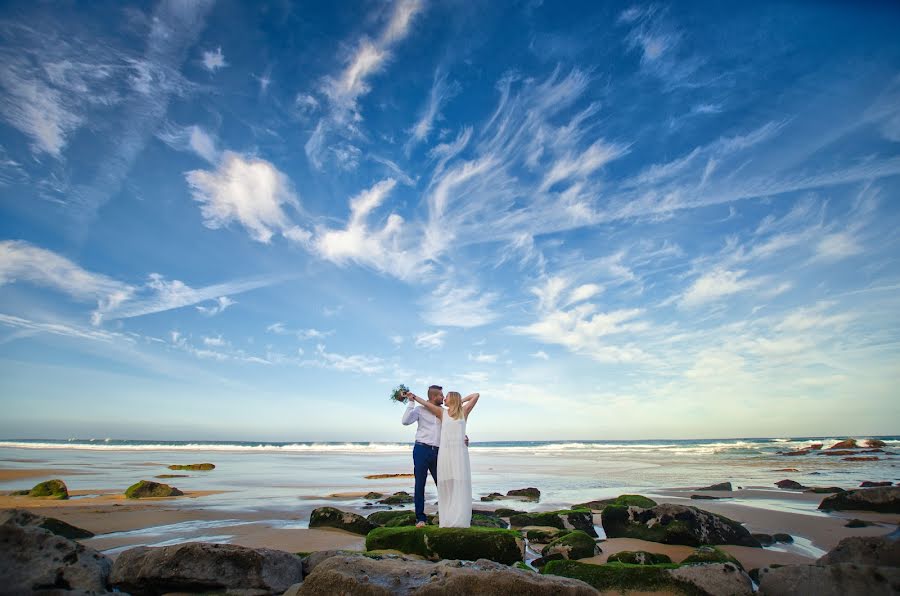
454,405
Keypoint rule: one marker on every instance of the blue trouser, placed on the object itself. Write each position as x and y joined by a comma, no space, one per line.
424,460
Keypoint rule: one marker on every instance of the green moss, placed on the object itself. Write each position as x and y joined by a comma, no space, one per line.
303,554
542,535
398,498
574,545
329,517
710,554
487,521
616,524
393,518
504,512
638,557
632,501
523,566
620,577
436,543
203,467
53,489
145,489
373,495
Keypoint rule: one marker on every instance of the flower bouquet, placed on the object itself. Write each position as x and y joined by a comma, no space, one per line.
399,394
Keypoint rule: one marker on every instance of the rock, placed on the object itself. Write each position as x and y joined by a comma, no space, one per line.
815,446
51,489
875,443
392,519
638,557
870,550
864,458
824,489
568,519
839,452
858,523
710,554
171,476
33,557
845,444
492,497
656,579
433,543
786,470
203,467
329,517
384,476
362,576
782,537
503,512
398,498
875,451
528,494
715,578
202,567
541,561
798,452
293,590
789,484
674,524
487,521
829,580
541,535
21,517
720,486
705,498
764,539
574,545
884,499
871,484
312,560
372,496
146,489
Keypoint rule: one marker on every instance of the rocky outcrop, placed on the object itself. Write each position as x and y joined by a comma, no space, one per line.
363,576
875,443
329,517
824,489
541,535
871,484
492,497
526,494
504,512
201,567
399,498
862,458
503,546
719,486
797,452
393,519
829,580
871,550
789,484
372,496
883,499
674,524
845,444
574,545
710,554
568,519
21,517
201,467
33,557
710,579
638,557
146,489
705,498
51,489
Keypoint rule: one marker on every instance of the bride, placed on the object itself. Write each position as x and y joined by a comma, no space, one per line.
454,476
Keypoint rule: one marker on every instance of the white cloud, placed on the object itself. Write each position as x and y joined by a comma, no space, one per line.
302,334
440,93
245,190
396,340
717,284
583,164
837,246
459,306
221,303
191,138
541,355
214,60
348,363
215,342
584,292
430,341
483,358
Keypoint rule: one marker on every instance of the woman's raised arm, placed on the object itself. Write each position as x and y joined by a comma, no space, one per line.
469,402
436,410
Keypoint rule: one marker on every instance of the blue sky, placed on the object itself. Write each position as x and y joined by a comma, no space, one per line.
231,220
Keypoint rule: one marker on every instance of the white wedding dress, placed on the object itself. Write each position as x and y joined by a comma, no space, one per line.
454,476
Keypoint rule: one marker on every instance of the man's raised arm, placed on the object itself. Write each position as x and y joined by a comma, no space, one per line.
411,414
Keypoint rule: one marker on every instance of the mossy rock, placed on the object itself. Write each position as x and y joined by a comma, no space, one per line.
51,489
638,557
528,494
171,476
616,577
398,498
574,545
566,519
710,554
392,518
674,524
433,543
620,501
147,489
523,566
20,493
201,467
542,535
373,496
480,520
492,497
505,512
329,517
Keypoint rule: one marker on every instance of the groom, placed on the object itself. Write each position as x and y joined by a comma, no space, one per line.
425,451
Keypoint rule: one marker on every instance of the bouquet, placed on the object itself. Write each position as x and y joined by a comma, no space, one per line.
399,394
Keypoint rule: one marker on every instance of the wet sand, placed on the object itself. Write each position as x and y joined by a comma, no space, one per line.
40,474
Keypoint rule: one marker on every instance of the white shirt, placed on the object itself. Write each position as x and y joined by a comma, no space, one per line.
429,431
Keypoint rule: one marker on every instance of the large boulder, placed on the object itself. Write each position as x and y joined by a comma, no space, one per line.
885,499
201,567
363,576
621,501
33,557
392,519
615,578
21,517
503,546
526,494
51,489
574,545
674,524
789,484
845,444
329,517
542,534
567,519
869,550
829,580
706,554
874,484
719,486
147,489
875,443
638,557
201,467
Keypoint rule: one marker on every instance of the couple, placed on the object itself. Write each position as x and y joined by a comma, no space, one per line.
442,448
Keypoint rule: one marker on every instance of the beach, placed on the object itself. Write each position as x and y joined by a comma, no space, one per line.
262,495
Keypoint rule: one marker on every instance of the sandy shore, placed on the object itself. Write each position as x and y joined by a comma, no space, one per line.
7,475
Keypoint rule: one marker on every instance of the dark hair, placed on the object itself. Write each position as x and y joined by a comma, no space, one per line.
438,387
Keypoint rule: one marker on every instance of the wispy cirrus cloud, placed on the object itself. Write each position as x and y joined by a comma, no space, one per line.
441,92
452,305
430,340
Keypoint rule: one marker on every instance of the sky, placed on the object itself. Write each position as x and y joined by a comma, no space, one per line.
251,220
